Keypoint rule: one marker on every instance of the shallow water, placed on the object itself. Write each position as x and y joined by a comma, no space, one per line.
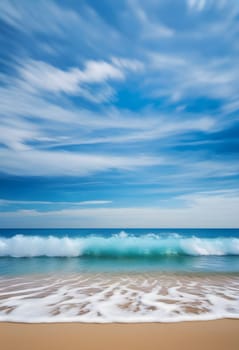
118,276
150,297
37,251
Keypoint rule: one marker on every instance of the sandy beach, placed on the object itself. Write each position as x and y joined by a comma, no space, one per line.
220,335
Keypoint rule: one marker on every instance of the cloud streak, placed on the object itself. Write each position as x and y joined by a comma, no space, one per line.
136,102
204,211
6,202
52,163
39,75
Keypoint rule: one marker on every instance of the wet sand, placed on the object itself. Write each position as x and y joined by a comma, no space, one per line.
206,335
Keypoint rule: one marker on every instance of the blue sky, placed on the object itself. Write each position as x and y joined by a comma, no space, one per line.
119,113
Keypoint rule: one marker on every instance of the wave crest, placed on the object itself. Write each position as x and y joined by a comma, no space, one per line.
116,246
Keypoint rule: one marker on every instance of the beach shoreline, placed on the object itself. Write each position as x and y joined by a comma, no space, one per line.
207,335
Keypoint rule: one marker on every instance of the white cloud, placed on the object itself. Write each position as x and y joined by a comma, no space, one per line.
94,202
16,136
197,5
194,169
41,16
157,129
41,75
215,211
40,119
150,29
98,71
130,64
200,5
231,106
183,76
63,126
64,26
166,61
34,106
69,203
56,163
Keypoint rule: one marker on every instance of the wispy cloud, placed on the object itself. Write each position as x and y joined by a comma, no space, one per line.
140,98
4,202
182,77
149,29
38,75
197,5
208,211
53,163
42,17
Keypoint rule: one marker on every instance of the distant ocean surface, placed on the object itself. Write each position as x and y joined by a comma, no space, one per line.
116,275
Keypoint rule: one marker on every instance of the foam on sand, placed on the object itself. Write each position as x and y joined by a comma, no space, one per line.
118,298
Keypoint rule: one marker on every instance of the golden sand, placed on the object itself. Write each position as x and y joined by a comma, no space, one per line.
208,335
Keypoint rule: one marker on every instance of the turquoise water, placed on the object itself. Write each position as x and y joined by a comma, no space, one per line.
34,251
116,275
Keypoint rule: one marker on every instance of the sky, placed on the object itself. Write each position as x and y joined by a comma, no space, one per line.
119,113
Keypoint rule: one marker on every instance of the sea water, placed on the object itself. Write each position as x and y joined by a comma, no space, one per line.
116,275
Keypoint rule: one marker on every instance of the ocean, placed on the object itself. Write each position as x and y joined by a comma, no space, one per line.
118,275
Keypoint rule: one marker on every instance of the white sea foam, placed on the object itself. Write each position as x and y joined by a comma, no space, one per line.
118,298
121,245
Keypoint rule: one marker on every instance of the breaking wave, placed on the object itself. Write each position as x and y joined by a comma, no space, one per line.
117,246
